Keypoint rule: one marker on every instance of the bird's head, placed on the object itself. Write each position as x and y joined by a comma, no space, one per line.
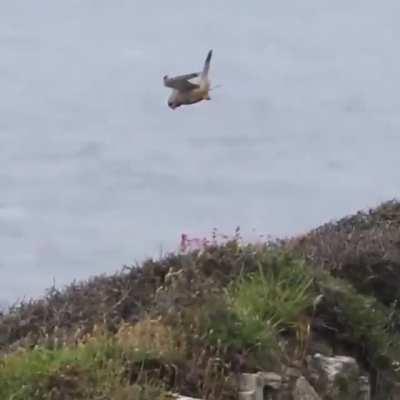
173,104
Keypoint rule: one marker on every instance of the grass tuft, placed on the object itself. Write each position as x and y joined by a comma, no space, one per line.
278,294
260,306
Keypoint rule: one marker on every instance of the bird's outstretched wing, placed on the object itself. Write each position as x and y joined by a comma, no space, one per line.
181,82
206,67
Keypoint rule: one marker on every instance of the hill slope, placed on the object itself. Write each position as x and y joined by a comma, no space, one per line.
191,322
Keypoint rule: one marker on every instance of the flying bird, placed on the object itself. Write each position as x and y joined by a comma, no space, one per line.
185,92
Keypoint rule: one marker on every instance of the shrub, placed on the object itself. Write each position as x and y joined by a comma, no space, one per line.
361,320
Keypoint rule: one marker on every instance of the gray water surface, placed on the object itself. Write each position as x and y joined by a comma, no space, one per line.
97,172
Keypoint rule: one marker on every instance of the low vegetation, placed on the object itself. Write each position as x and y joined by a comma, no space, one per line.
95,368
190,322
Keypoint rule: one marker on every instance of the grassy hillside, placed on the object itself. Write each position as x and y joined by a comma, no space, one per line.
190,322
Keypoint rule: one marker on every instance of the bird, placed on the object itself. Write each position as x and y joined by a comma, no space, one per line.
185,92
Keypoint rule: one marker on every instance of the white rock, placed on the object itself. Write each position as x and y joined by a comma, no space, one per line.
339,377
304,391
252,385
333,366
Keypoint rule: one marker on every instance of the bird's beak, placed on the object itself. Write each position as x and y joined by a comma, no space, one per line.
172,106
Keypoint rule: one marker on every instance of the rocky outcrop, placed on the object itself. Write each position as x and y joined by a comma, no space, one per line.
304,391
260,386
338,377
328,378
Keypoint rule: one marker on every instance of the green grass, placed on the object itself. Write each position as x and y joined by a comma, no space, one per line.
258,307
86,371
276,295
